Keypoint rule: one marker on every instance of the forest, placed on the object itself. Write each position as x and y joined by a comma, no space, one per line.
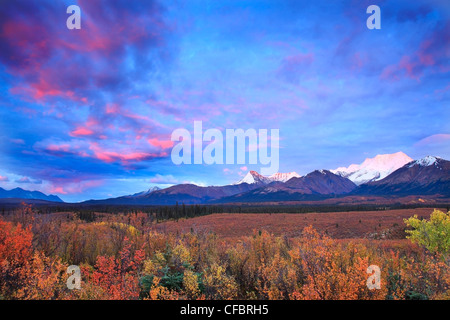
124,256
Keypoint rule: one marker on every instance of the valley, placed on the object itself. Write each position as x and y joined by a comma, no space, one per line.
381,225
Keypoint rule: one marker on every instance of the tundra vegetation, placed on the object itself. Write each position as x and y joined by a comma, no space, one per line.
122,256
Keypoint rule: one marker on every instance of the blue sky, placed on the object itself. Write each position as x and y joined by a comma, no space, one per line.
89,113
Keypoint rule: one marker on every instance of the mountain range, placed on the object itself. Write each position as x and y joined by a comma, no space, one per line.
19,193
316,185
430,175
384,175
254,177
373,169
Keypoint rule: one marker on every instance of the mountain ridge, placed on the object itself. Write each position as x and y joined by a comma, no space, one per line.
373,169
427,176
316,185
254,177
19,193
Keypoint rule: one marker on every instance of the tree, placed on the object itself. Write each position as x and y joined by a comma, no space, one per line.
433,234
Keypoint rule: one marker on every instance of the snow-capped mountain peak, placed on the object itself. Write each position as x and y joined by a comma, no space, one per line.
373,169
283,177
425,162
254,177
144,193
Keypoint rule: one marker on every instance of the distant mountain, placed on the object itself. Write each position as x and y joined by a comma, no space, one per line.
373,169
181,193
430,175
20,193
283,177
322,182
253,177
317,185
383,175
144,193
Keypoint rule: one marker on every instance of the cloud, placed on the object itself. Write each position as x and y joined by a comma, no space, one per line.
440,138
36,48
435,145
24,180
17,141
100,103
76,186
163,144
28,180
58,148
107,151
429,56
125,156
4,179
81,132
58,190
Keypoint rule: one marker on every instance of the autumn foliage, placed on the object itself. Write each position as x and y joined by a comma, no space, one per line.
124,257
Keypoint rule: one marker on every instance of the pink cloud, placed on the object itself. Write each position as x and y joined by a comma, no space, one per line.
112,108
46,87
124,156
86,129
429,56
35,49
74,186
434,139
61,147
164,144
24,180
58,190
227,171
118,110
81,132
4,179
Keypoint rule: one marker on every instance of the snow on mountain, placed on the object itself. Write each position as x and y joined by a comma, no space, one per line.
429,175
254,177
425,162
144,193
374,169
283,177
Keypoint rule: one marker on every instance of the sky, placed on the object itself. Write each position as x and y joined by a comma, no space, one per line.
88,113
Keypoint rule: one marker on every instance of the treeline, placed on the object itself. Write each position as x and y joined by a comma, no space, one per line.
183,211
180,210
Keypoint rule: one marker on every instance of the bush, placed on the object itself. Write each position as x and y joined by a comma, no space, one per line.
433,234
